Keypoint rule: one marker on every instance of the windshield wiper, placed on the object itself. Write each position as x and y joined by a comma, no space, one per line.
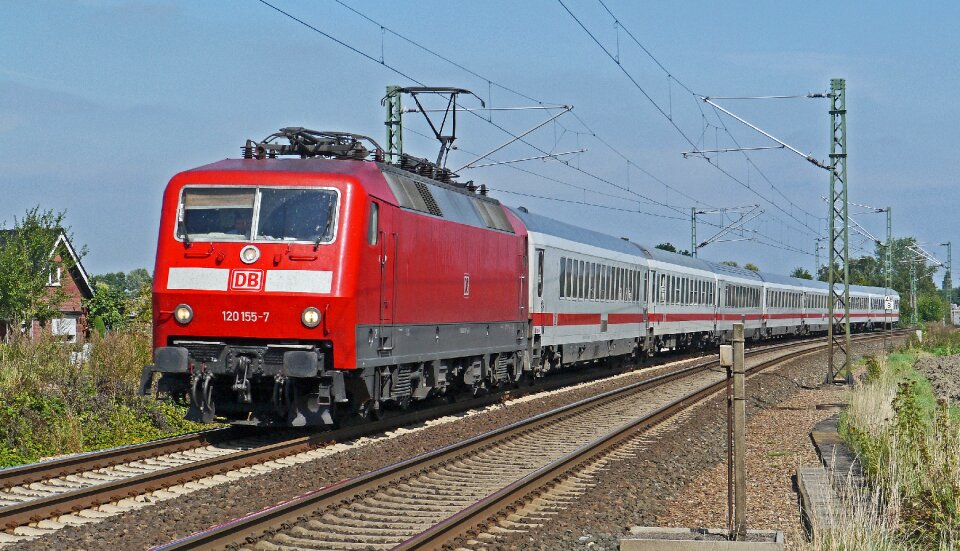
181,228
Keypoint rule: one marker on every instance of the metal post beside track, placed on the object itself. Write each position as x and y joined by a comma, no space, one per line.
739,441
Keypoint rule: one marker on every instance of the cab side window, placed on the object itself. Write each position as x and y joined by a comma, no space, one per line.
373,225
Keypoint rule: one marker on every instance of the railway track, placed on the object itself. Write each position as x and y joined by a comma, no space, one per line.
434,499
39,498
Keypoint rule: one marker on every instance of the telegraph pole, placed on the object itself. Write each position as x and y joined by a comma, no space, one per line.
839,234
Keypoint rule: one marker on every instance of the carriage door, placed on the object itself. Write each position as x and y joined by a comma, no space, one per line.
389,247
652,296
537,301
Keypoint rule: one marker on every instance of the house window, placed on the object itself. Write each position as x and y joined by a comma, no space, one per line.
54,279
65,328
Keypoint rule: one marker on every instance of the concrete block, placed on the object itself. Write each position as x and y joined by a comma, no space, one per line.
653,538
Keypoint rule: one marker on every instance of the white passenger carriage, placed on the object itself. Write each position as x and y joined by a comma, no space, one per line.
593,297
784,308
586,293
739,299
682,300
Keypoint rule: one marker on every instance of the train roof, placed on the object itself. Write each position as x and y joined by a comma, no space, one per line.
549,226
674,258
789,280
721,269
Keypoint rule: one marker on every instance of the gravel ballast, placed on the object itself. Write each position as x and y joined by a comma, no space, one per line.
175,518
679,477
692,446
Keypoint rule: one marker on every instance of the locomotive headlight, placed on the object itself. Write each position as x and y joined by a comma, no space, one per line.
249,254
183,314
310,317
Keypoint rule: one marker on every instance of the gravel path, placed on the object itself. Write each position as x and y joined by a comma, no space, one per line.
678,478
943,373
168,520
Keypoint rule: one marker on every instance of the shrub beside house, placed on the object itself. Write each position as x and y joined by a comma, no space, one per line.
66,276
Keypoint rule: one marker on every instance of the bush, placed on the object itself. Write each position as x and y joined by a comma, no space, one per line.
55,401
909,445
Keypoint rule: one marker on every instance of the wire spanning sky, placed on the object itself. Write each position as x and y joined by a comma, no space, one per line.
102,101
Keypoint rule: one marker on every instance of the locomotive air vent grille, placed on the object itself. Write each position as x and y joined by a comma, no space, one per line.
428,200
493,215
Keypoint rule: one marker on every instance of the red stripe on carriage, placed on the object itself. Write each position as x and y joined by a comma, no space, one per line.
578,319
613,319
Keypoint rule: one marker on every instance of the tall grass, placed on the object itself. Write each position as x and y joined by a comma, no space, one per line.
909,444
54,401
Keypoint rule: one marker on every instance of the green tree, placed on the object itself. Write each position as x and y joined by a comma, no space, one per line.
931,306
26,264
751,266
800,273
121,298
109,305
667,246
729,263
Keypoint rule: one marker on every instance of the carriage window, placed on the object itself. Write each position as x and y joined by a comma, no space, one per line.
539,273
581,280
563,276
591,281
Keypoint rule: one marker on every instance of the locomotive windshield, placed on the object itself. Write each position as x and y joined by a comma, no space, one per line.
217,213
280,214
297,215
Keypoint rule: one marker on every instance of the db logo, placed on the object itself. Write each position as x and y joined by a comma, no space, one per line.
246,280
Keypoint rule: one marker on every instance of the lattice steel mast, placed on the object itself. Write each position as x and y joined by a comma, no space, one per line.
394,124
888,279
948,278
838,269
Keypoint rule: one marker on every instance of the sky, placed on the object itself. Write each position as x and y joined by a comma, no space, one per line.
103,101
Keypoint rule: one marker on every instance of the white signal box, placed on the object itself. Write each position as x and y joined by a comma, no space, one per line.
888,303
726,355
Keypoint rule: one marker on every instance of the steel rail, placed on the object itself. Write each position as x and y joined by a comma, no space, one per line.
91,496
239,531
54,468
494,505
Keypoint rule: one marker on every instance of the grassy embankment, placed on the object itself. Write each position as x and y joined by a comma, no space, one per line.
909,443
51,406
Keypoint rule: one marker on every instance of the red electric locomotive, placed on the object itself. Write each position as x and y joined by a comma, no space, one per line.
290,290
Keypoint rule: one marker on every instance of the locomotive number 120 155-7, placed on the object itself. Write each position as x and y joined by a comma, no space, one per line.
245,317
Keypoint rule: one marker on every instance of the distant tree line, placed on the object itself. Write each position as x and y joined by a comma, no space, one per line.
120,299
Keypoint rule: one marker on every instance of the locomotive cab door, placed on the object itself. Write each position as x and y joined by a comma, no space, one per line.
389,249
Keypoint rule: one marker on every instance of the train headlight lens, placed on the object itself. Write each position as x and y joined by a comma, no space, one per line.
183,314
310,317
249,254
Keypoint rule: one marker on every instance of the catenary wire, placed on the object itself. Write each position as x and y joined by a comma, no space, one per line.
578,169
664,113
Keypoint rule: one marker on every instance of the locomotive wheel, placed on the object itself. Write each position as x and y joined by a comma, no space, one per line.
372,410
